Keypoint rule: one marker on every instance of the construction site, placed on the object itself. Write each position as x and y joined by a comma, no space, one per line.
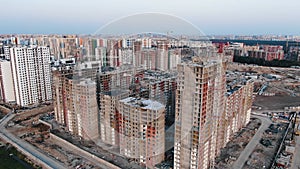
232,150
276,97
32,127
27,126
153,85
275,88
274,148
264,152
9,155
38,127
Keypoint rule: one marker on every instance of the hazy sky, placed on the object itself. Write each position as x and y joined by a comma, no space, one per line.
211,16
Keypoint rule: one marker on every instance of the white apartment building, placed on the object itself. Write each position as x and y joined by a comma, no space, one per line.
6,82
31,74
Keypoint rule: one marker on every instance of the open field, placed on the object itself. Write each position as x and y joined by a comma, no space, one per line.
275,102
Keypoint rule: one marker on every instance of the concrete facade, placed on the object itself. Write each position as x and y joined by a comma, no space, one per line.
6,82
239,100
142,131
109,116
86,109
31,74
198,113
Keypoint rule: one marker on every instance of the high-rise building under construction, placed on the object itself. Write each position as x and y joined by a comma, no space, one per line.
142,130
199,108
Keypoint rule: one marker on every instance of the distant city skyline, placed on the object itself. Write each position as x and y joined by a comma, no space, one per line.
211,16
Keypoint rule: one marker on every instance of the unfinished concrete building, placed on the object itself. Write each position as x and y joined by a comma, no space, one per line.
109,115
162,60
198,113
174,58
161,87
142,130
75,102
238,105
219,107
121,78
62,90
113,85
148,59
86,109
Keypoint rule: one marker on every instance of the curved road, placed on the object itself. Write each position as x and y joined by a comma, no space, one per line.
4,134
265,123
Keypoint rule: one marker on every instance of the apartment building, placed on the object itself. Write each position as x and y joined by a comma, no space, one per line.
239,98
198,112
110,78
160,86
267,52
31,74
113,85
6,82
109,115
63,99
75,98
86,109
142,130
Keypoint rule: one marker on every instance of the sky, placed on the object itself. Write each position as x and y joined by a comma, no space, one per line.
212,17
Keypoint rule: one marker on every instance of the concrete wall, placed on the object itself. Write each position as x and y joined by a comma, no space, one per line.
45,123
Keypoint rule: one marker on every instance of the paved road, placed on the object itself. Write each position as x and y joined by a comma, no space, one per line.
296,159
239,163
4,134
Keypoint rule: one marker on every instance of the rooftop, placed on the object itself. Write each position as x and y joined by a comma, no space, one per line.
143,103
87,82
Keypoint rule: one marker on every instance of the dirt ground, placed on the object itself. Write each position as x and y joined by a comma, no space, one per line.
275,102
262,69
27,114
263,155
236,145
3,111
279,81
25,125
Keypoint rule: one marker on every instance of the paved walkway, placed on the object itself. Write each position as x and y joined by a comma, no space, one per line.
239,163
